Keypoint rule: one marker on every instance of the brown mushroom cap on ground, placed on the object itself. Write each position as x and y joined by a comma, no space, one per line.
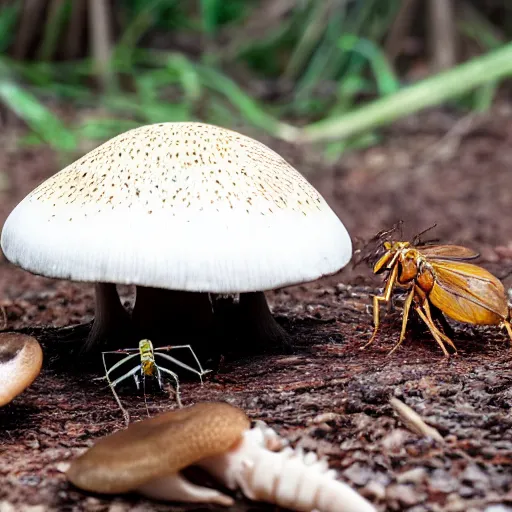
21,359
153,448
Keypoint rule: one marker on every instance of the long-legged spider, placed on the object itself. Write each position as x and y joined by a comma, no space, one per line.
148,367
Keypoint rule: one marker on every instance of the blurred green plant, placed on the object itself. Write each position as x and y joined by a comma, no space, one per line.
255,62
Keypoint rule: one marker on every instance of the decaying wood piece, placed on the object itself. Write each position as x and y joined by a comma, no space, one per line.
414,421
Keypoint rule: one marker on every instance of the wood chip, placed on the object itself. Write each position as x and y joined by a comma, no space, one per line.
414,421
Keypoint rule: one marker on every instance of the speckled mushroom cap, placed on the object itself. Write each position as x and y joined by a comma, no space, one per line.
184,206
157,447
21,359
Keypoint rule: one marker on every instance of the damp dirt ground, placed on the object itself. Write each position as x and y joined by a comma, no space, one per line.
328,394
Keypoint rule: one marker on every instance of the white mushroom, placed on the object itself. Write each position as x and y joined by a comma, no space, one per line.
21,358
149,455
175,208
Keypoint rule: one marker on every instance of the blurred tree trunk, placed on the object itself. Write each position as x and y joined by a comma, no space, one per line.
442,34
101,41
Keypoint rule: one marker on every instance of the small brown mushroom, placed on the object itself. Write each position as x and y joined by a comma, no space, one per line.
21,359
148,455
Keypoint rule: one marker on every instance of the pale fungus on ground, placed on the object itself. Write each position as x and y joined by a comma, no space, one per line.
21,359
181,210
149,455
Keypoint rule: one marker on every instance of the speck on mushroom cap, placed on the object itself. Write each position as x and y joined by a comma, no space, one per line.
159,446
21,359
184,206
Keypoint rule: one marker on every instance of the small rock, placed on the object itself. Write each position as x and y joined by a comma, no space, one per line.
413,476
454,503
474,475
32,443
405,495
358,473
5,506
466,492
442,481
322,418
395,440
374,490
351,444
62,467
117,507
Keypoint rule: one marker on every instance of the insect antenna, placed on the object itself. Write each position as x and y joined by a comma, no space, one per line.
373,249
417,238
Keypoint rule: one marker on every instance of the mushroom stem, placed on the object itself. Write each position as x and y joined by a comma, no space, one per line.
256,319
175,487
111,320
161,313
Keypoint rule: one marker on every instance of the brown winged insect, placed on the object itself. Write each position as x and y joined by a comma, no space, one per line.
438,275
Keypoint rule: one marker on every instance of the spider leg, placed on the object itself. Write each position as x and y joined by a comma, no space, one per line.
119,363
175,377
113,384
133,371
189,347
137,379
159,377
144,391
200,373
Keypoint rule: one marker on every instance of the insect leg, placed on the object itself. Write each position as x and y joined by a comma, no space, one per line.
170,347
201,372
433,329
175,377
119,363
507,326
137,380
159,377
144,392
112,385
405,317
442,335
133,371
385,297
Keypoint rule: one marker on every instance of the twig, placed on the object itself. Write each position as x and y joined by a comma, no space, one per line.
74,36
27,28
471,22
413,420
52,28
399,29
442,34
3,324
312,34
452,137
267,17
100,37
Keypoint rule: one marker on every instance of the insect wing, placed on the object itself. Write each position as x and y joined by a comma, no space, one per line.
468,293
447,252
